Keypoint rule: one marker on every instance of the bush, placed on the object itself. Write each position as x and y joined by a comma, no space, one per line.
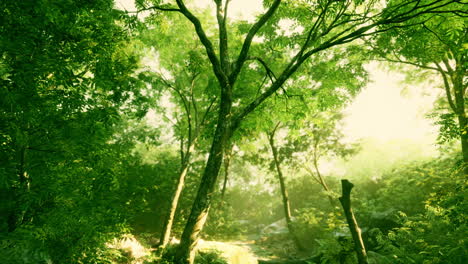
432,206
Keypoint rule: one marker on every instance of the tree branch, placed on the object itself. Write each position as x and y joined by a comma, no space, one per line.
226,4
220,75
192,97
185,103
345,200
160,8
309,170
447,66
248,40
447,89
357,33
269,72
223,37
410,63
207,111
438,37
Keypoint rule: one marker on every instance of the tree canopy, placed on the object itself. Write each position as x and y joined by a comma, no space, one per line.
114,129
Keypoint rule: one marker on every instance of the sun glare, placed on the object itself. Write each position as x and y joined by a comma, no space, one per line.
382,112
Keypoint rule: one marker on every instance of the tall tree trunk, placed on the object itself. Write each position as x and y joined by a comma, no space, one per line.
201,205
227,163
284,192
460,91
167,225
456,99
345,200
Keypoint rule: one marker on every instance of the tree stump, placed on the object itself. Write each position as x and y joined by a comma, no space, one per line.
345,201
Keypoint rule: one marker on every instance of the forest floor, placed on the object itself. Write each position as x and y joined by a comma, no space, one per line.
254,248
249,250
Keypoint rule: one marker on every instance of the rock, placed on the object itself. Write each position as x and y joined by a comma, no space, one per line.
278,227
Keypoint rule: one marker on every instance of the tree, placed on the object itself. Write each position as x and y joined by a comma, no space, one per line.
284,192
185,78
67,77
345,201
436,44
326,24
195,117
321,137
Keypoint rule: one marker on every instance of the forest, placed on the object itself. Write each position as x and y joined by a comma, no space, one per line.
226,131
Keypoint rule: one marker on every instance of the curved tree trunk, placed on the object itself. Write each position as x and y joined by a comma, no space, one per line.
201,205
167,225
455,91
459,91
284,192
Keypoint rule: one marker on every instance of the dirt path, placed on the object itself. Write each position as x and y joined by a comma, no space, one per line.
235,252
253,251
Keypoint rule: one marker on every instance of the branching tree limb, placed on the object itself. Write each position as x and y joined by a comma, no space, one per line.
220,75
248,40
448,92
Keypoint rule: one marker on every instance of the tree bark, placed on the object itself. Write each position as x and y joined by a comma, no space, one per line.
459,88
345,200
459,93
227,163
201,205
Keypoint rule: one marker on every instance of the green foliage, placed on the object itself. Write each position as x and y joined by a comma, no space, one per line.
395,190
317,226
233,217
407,225
79,167
211,257
419,239
66,178
433,44
203,257
448,127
